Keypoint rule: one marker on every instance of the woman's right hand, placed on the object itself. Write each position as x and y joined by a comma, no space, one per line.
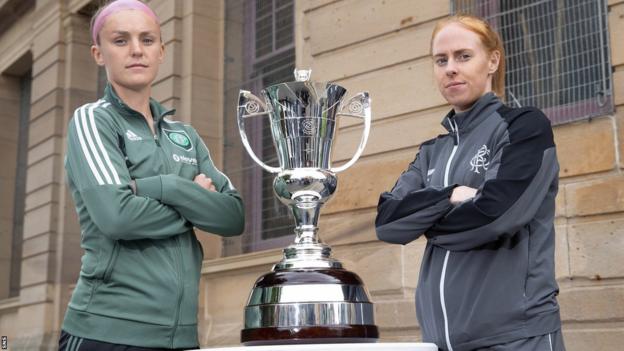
204,182
462,193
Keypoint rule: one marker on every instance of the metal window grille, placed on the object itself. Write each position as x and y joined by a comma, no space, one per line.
262,33
557,54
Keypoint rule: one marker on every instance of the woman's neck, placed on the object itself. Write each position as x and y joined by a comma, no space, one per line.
137,100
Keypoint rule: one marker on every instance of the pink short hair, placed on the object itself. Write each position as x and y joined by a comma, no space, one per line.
100,17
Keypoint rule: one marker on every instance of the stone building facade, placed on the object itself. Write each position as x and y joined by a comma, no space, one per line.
375,45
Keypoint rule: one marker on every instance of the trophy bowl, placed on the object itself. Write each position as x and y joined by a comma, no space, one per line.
308,297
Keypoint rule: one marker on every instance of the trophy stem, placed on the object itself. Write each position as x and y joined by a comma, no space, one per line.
307,251
305,191
306,214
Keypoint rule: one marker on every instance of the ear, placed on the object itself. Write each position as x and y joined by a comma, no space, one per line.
97,55
494,61
162,52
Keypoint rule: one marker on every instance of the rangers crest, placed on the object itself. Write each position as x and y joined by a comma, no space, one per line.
480,160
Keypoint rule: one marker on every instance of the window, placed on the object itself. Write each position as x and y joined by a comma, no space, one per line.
557,54
20,185
259,52
14,140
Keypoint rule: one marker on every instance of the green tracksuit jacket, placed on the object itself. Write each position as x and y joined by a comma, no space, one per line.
139,278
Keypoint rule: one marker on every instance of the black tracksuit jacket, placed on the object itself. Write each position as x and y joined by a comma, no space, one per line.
487,274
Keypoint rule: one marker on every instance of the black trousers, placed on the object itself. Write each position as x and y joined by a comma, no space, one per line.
68,342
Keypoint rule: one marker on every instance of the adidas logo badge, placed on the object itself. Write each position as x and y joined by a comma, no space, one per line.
131,136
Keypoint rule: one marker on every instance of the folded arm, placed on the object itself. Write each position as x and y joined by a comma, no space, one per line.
220,212
96,167
410,208
523,172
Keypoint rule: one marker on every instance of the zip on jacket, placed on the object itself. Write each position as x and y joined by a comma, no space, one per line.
455,132
487,274
139,278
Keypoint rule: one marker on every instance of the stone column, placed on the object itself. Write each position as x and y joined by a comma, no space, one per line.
63,78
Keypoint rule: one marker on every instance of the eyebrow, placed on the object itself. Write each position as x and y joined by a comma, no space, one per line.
454,52
123,32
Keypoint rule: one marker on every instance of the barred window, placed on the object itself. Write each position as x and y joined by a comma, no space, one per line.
260,52
557,54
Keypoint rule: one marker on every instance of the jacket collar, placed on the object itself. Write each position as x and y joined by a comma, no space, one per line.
470,118
158,110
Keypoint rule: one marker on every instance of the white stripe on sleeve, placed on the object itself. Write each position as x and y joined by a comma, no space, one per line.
87,133
102,149
84,148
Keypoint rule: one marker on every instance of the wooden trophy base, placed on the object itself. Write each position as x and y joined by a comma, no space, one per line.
310,335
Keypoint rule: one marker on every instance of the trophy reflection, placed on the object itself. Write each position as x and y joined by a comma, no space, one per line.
307,297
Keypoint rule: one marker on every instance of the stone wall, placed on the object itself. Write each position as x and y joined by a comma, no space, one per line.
374,45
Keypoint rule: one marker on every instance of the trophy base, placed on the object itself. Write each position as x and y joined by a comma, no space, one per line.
309,306
310,335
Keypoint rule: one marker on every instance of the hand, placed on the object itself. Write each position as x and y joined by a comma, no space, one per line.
462,193
204,182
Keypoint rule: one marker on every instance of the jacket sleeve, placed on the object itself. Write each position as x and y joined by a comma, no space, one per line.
522,173
96,168
219,212
410,209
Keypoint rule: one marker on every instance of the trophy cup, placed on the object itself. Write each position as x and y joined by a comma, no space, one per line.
307,297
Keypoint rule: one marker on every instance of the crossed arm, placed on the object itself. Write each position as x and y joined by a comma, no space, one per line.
463,218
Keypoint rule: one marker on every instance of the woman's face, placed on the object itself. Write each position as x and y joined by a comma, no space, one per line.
130,48
462,66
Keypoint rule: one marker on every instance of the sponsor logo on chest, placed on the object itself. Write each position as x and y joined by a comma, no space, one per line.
185,159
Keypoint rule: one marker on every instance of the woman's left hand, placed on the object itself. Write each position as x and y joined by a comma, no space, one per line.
204,182
462,193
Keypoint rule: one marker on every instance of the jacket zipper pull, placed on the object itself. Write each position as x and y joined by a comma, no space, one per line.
454,132
156,140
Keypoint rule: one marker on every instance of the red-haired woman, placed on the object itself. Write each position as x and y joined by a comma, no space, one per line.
484,196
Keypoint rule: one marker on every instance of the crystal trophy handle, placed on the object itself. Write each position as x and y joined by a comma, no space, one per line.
250,105
359,107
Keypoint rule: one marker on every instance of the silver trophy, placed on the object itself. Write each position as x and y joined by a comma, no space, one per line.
307,297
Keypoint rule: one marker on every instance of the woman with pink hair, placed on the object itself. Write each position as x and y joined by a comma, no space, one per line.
140,182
